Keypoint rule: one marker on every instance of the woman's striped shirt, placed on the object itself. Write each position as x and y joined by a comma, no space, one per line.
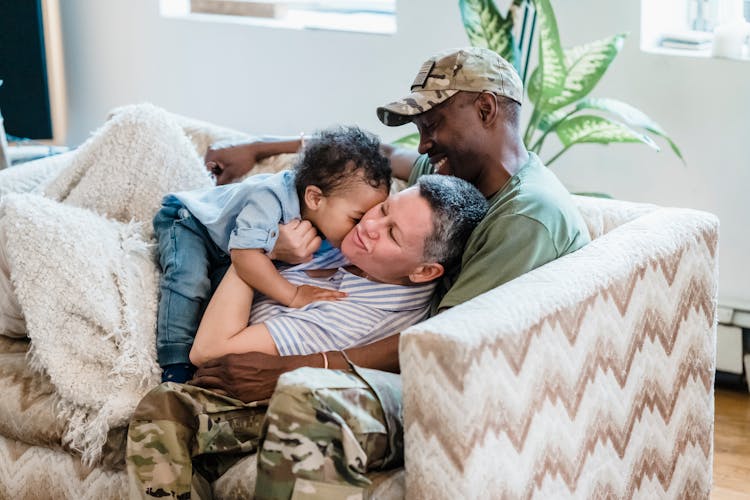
371,311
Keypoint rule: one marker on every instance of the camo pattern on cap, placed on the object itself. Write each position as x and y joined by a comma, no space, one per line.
471,69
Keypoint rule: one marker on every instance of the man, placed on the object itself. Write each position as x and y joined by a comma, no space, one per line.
466,106
398,247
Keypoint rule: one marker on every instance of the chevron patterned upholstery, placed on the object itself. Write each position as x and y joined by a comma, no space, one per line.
590,377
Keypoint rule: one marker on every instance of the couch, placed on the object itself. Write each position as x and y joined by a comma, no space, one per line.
590,377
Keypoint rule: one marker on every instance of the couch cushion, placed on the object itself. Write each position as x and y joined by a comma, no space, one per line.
602,215
35,472
28,408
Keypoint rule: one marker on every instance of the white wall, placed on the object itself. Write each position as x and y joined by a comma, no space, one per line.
284,81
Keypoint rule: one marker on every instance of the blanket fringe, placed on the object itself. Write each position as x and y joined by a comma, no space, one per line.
87,429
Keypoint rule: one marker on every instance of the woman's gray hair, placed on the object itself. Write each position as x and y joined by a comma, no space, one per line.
457,207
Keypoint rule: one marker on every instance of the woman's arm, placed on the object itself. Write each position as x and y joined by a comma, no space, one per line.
253,376
223,328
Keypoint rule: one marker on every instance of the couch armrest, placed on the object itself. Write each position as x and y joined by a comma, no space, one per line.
591,376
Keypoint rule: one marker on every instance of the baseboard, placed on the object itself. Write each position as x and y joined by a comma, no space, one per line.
726,380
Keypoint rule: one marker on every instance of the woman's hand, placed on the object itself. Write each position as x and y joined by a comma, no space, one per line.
251,376
307,294
230,161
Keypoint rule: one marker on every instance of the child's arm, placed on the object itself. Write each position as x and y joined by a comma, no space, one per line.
257,270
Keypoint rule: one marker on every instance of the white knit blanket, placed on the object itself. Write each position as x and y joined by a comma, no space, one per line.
83,267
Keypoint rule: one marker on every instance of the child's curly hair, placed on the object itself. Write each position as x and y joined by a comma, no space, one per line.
333,155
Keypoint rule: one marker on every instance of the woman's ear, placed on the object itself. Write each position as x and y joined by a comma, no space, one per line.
426,272
313,197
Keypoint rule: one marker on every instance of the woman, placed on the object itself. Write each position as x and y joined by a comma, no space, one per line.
386,268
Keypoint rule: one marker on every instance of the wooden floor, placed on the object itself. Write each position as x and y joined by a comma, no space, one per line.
731,446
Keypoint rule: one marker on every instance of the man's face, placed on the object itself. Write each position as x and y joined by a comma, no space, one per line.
388,243
452,134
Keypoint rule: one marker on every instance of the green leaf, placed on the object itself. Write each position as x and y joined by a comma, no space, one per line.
551,67
597,129
550,119
408,141
584,67
487,28
534,87
630,115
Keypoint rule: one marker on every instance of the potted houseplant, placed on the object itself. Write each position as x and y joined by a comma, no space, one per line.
559,87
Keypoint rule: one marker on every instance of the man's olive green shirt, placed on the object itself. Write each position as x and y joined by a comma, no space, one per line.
531,220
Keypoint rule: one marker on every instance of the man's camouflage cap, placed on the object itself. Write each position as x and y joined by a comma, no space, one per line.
442,76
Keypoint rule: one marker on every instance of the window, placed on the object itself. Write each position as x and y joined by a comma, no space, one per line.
367,16
702,28
705,15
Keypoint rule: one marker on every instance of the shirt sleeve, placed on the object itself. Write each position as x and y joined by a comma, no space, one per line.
511,246
422,166
257,225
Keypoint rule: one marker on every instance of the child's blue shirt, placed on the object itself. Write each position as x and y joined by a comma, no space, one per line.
245,214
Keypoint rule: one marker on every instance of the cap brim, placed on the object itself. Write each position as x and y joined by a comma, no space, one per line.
404,110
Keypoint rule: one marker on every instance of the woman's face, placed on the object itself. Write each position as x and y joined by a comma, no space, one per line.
388,243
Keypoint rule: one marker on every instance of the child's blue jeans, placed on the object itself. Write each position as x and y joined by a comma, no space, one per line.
192,267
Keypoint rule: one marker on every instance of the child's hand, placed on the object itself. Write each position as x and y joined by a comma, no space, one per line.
307,294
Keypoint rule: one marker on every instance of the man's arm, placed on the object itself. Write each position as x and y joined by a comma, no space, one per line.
230,161
253,376
402,160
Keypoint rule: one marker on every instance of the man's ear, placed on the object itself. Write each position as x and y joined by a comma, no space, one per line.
313,197
487,106
426,272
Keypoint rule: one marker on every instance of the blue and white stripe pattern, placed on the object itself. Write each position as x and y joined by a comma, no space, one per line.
371,311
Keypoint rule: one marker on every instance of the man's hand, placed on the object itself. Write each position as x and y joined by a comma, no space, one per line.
296,243
251,376
230,161
307,294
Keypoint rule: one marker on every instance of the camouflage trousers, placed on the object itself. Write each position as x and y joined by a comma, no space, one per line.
316,438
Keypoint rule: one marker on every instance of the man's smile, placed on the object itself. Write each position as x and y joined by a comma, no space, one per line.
440,166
